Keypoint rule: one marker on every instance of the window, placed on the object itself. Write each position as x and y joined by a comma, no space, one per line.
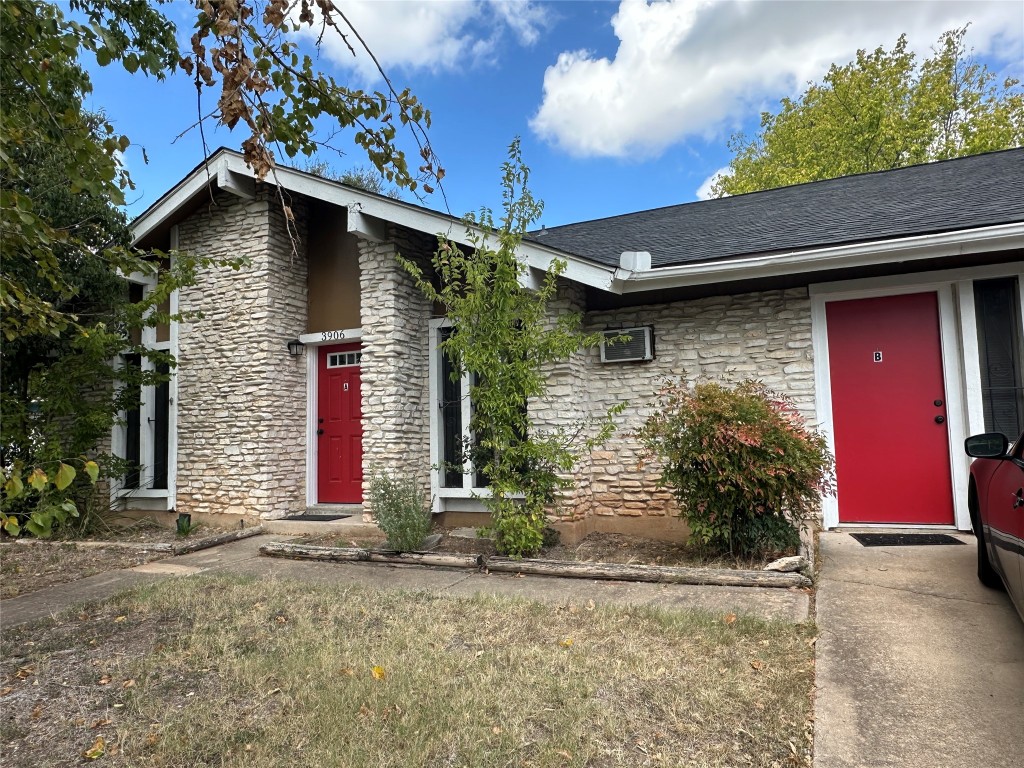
997,305
147,437
343,359
450,417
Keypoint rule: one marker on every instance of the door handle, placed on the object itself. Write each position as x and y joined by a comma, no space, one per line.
319,432
1018,498
940,419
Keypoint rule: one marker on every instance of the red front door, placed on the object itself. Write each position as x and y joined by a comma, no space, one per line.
339,426
889,410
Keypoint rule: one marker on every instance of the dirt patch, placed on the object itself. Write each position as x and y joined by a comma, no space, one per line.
28,565
34,565
595,548
233,672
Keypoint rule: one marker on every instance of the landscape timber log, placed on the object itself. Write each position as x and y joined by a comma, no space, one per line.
358,555
213,541
653,573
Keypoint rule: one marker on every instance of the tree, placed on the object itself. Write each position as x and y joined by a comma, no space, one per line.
359,176
881,111
65,310
506,339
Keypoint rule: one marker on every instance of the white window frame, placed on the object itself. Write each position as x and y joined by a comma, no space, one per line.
163,498
438,492
960,363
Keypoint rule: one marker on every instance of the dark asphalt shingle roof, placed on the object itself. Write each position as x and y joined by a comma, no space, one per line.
944,196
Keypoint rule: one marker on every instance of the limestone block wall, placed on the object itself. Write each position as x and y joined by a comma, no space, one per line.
241,397
395,366
761,335
566,402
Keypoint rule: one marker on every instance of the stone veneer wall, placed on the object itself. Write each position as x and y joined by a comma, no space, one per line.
760,335
395,364
241,397
566,402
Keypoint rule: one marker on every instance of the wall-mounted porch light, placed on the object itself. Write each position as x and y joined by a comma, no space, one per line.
295,347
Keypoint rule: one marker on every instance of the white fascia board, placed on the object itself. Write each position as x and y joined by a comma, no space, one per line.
983,239
229,171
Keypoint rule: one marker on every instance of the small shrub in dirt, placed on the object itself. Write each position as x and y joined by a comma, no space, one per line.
746,470
401,510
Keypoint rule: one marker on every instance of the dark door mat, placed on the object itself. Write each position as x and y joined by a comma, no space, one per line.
904,539
318,518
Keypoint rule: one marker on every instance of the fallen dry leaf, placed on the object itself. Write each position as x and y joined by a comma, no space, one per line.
6,690
95,752
496,730
347,671
24,672
105,680
567,643
730,618
128,684
378,673
564,753
119,619
757,664
152,739
102,722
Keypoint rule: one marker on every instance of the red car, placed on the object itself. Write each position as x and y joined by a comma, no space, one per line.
996,502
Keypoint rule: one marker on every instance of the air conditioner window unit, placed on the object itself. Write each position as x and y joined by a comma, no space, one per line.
638,347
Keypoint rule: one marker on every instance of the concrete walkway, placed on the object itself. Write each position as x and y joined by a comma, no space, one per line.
242,558
918,664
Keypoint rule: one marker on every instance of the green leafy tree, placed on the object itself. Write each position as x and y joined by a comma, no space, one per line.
505,337
882,111
65,311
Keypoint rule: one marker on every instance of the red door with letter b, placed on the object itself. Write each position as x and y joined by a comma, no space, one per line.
339,426
889,410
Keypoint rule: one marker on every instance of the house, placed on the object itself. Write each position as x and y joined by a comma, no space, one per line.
888,306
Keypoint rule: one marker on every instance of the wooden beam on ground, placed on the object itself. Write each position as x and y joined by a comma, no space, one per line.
662,574
359,555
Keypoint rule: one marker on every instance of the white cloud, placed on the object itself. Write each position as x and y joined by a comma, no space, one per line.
698,67
704,190
434,35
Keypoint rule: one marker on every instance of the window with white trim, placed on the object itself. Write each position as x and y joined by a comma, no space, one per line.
343,359
450,418
147,437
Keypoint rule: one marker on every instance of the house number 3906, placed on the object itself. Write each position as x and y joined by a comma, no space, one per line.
332,335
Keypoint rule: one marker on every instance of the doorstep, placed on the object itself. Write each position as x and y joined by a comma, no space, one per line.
349,526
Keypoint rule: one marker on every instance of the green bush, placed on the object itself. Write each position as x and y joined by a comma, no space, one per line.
402,511
747,472
518,527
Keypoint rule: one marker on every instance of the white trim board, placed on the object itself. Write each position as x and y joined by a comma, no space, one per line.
340,336
227,169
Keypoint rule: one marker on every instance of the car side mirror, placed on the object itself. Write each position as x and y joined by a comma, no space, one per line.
991,445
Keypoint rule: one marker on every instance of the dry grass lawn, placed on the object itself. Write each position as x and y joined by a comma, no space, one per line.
216,671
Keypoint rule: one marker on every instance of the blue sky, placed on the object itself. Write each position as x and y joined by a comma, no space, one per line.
621,106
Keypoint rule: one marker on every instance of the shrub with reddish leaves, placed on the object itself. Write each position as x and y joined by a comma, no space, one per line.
747,472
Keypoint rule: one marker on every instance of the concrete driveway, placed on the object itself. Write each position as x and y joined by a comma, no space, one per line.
918,664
